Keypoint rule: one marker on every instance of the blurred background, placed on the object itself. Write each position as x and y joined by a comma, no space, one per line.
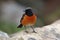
11,11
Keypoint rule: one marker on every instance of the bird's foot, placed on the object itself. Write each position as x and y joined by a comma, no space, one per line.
26,31
34,32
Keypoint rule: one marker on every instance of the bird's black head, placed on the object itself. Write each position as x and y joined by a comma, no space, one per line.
28,12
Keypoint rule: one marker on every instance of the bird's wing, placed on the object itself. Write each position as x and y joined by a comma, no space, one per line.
22,17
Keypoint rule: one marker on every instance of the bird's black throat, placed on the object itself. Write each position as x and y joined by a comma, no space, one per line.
29,12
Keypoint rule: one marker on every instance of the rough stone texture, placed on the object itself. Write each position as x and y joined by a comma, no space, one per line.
49,32
4,36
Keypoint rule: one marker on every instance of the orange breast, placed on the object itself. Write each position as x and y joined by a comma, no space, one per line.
29,20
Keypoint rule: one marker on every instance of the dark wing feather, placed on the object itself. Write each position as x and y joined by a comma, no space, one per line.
22,17
20,26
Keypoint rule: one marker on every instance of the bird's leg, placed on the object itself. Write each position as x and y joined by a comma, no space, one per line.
26,30
33,29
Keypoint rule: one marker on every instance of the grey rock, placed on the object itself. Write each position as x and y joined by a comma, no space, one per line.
4,36
31,39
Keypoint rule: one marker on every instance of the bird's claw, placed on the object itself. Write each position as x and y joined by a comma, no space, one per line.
26,31
34,32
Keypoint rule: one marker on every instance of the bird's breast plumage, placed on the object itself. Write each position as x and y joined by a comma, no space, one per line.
29,20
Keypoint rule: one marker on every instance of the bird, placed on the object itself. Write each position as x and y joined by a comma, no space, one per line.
28,19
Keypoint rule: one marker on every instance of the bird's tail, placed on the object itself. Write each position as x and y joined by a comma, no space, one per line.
20,26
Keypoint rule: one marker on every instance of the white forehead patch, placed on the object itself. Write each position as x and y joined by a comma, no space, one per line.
28,8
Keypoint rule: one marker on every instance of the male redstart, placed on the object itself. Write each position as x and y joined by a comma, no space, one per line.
28,19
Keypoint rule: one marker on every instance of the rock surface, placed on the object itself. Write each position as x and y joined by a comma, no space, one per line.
4,36
49,32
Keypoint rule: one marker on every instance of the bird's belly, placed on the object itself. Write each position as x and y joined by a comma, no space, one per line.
29,25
